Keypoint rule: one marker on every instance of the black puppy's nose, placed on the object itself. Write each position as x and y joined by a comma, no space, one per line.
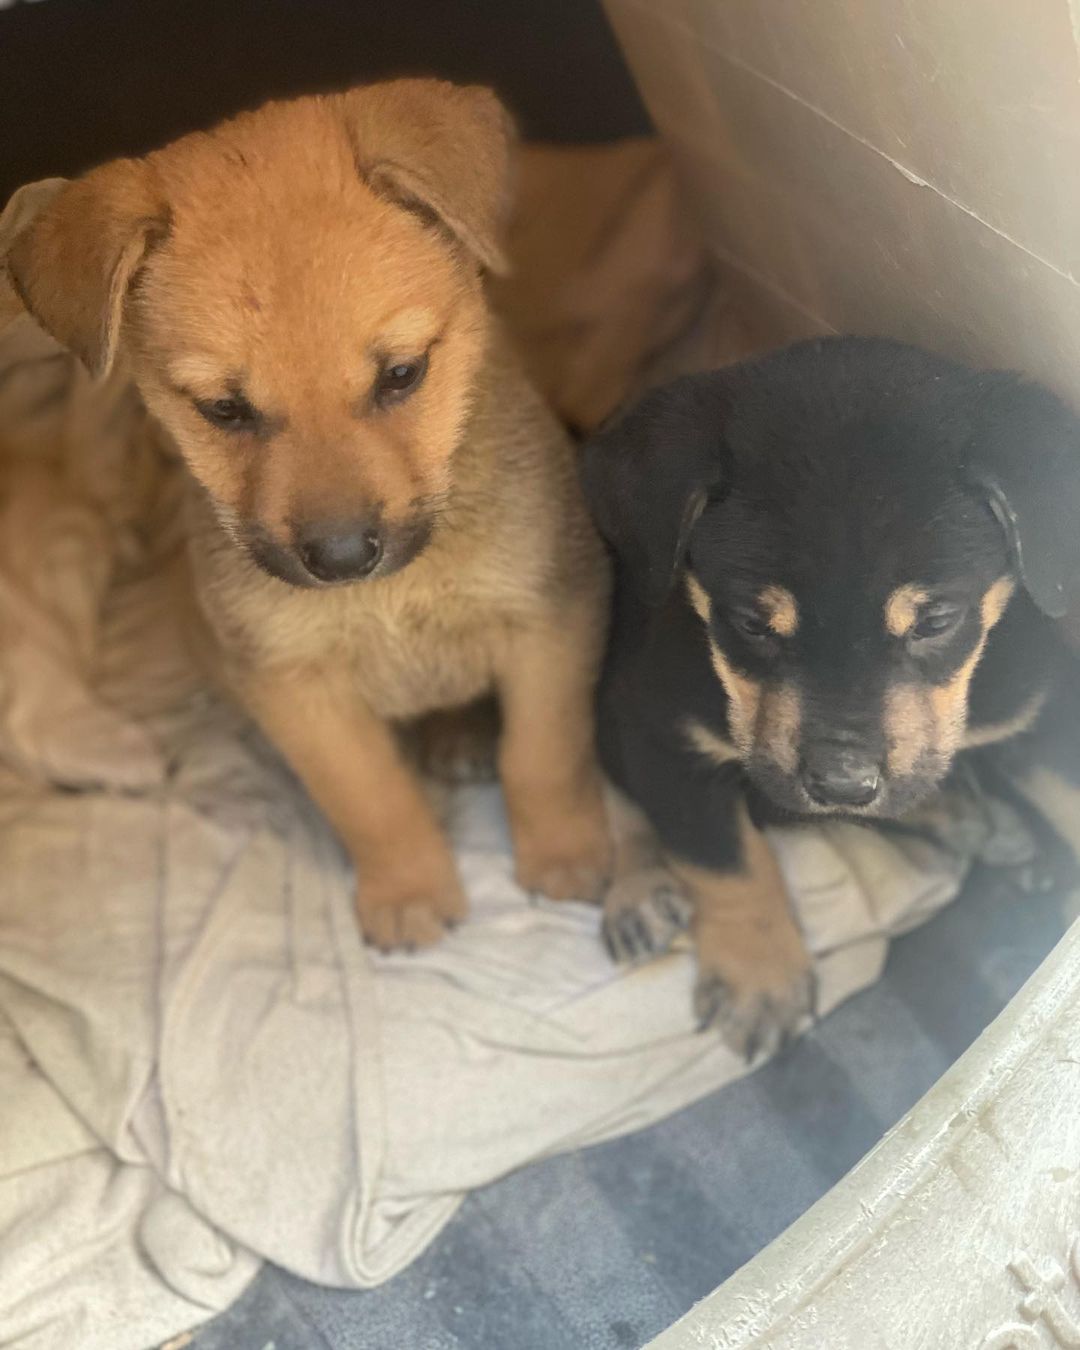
838,775
341,550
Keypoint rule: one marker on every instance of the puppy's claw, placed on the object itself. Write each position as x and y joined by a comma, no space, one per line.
754,1023
675,907
627,937
643,915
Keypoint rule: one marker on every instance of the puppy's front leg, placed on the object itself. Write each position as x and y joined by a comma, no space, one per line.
348,759
755,982
546,680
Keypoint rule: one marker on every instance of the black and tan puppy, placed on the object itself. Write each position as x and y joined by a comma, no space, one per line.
837,570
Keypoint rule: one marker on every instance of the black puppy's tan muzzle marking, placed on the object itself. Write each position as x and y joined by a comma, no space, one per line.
927,723
763,719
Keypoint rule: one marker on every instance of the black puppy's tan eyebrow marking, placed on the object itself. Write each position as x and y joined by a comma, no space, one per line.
743,695
902,609
767,716
780,610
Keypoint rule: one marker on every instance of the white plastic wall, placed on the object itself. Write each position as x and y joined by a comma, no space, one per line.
909,167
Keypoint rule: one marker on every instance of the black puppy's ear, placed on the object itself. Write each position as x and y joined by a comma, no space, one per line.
1026,458
649,472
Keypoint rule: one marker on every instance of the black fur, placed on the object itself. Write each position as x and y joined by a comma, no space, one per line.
839,469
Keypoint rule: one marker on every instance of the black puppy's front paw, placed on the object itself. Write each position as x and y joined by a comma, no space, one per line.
754,1019
644,912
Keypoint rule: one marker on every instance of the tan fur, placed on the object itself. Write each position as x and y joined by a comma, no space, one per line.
780,610
74,266
746,938
744,700
779,725
994,602
699,598
754,974
348,759
709,744
902,609
743,926
930,720
553,786
762,719
293,250
993,732
744,696
908,727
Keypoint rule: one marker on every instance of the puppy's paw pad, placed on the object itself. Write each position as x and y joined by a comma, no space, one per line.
643,915
754,1021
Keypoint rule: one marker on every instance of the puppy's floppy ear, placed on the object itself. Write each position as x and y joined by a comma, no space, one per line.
73,264
438,149
649,472
1025,457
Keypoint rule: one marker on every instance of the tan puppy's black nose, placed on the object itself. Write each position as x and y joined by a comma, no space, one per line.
839,775
339,550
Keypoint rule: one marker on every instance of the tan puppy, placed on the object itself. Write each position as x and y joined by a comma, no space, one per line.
385,519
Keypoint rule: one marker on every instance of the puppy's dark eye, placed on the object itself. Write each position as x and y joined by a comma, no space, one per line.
395,381
233,413
749,624
936,621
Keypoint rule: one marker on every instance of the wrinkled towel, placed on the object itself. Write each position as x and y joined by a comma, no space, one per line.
201,1067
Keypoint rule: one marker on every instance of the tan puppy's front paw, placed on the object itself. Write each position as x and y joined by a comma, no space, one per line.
396,914
566,857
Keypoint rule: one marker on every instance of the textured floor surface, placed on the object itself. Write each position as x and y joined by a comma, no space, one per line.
602,1249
